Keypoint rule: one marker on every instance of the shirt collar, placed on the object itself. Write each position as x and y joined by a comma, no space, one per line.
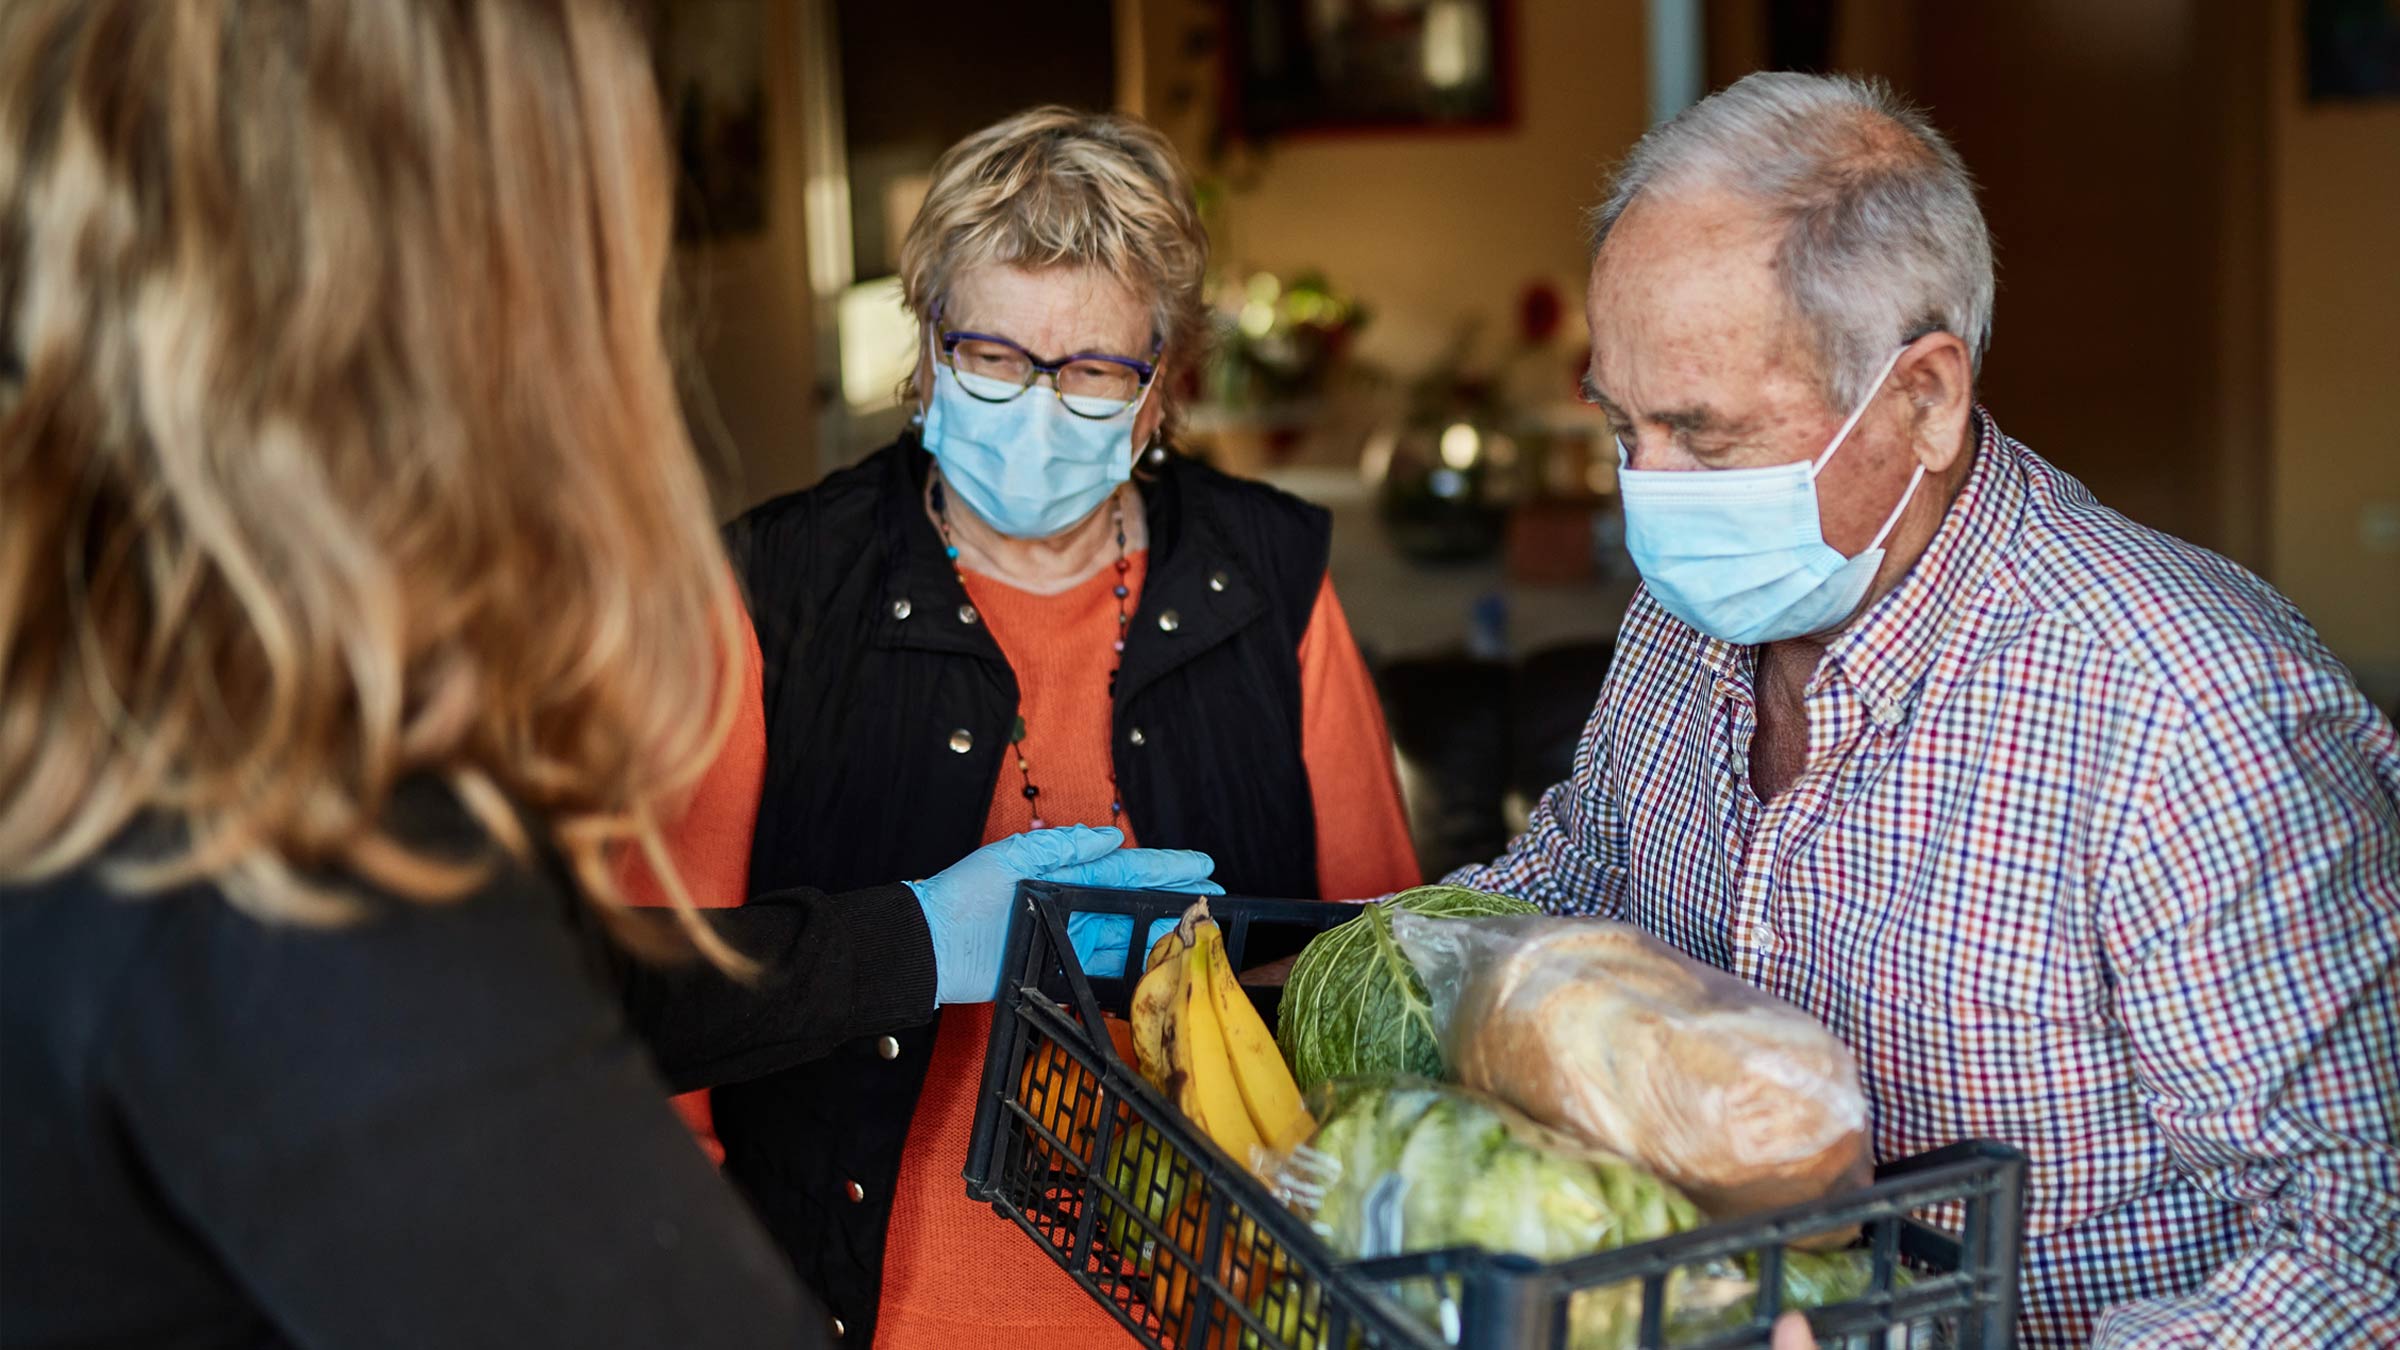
1887,653
1723,660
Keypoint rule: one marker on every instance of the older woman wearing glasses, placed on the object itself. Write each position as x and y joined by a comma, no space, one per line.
1028,611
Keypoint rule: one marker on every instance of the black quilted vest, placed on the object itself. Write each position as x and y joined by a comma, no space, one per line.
887,715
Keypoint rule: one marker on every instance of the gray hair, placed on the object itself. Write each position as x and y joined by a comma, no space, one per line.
1883,242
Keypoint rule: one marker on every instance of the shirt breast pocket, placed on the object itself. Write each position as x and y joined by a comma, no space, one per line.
1981,1009
1959,898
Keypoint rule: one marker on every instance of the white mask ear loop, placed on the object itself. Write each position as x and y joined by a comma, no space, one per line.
1894,518
1842,437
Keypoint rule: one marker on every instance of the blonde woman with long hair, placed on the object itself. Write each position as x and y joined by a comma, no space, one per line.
360,610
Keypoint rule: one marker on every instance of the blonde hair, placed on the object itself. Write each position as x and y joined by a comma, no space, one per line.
345,451
1052,187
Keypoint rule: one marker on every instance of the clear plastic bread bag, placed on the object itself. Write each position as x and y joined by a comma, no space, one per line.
1741,1100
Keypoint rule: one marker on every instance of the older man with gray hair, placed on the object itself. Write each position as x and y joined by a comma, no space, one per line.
2073,831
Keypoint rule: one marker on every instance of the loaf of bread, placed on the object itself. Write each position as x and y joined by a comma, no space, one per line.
1737,1097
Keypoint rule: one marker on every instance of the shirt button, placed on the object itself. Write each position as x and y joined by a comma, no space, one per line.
1216,581
1767,941
1169,621
966,614
887,1047
900,608
1137,737
856,1192
961,741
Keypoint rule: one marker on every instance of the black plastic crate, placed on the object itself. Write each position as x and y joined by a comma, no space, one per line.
1188,1249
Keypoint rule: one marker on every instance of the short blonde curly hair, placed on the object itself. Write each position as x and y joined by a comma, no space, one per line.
1053,187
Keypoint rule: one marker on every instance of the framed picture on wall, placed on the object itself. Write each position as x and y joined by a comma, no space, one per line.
1320,66
2353,49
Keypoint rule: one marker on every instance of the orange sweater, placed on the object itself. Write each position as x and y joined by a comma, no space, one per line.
955,1273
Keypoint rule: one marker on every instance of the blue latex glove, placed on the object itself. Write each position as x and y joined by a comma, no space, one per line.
1100,938
967,906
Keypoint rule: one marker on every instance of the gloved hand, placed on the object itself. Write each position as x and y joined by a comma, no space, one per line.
1100,938
967,905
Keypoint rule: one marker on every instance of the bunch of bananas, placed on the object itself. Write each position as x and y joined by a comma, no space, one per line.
1199,1040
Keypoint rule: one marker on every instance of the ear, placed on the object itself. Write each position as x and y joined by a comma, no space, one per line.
1154,408
922,385
1938,377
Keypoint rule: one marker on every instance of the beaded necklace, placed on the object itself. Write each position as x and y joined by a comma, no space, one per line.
1016,735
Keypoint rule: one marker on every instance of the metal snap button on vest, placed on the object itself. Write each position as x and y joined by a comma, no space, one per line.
1216,582
900,608
840,1329
888,1047
1169,621
967,614
856,1192
961,741
1137,737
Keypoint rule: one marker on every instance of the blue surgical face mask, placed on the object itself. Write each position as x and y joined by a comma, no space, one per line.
1740,554
1028,467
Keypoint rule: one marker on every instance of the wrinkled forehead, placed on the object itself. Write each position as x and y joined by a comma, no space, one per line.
1051,311
1685,283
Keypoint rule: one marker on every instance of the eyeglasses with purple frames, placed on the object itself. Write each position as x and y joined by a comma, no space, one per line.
1088,384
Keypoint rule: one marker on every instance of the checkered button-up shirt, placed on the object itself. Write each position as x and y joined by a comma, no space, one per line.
2096,853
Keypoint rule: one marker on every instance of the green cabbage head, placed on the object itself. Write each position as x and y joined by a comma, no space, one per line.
1355,1008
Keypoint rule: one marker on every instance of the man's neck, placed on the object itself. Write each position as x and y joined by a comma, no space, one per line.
1051,565
1784,668
1779,688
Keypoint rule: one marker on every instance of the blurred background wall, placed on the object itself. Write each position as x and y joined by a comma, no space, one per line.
1438,229
744,314
2333,341
2199,310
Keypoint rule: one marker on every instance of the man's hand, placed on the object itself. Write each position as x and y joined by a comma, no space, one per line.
1792,1333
